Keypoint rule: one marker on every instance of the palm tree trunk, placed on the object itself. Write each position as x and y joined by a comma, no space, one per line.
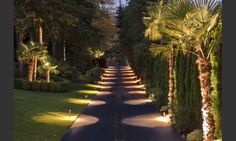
35,68
40,35
204,69
41,43
31,69
20,62
64,50
48,76
171,84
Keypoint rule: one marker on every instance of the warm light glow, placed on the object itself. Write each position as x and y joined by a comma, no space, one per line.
163,119
47,64
128,74
110,72
106,83
138,101
84,120
109,78
79,101
127,71
125,68
96,103
149,120
137,92
135,86
93,85
112,69
88,92
105,74
104,93
56,118
131,81
106,87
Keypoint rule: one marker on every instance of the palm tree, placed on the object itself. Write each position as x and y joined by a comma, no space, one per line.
155,23
197,26
28,52
48,67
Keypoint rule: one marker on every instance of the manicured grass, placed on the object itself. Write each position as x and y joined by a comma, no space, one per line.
40,116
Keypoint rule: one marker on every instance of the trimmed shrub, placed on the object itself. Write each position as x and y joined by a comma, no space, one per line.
93,75
44,86
17,83
196,135
58,85
25,85
35,85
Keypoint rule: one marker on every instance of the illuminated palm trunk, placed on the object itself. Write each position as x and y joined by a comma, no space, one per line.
48,76
204,69
40,35
31,69
171,84
40,30
35,68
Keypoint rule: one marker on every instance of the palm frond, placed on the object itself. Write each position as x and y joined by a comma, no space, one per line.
177,9
152,32
164,51
154,22
211,4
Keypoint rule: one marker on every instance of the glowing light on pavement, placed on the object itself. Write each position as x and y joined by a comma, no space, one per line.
148,120
137,101
84,120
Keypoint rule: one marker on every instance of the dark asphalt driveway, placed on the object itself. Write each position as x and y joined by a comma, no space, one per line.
121,112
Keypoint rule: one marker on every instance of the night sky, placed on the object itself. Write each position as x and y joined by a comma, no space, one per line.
117,2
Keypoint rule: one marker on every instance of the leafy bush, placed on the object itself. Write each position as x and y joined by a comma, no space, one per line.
71,73
25,85
164,109
93,74
58,85
35,85
196,135
185,119
44,86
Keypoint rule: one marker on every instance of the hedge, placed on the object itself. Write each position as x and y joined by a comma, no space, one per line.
58,85
195,135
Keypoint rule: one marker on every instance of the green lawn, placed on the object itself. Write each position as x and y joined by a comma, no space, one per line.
40,116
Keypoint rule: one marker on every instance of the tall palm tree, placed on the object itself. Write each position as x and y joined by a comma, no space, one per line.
197,26
155,22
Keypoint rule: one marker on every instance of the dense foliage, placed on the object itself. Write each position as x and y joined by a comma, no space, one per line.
154,71
69,29
59,85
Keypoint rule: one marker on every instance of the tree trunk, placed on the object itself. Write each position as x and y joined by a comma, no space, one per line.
35,68
64,50
36,59
20,62
40,35
31,69
171,84
204,69
48,76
